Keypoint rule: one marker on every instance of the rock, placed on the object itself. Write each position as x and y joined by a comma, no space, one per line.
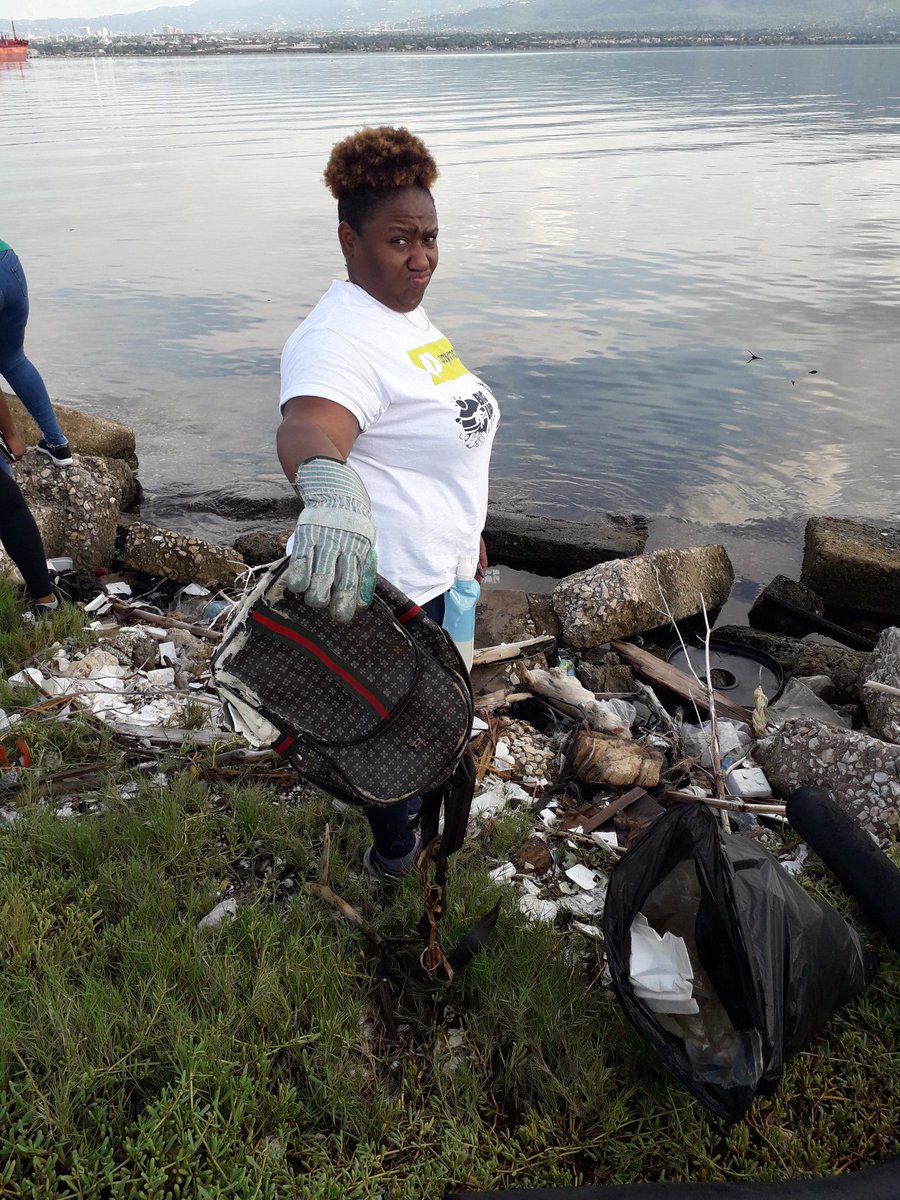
96,660
178,556
259,549
533,855
193,651
843,666
883,666
543,616
764,614
620,598
76,508
862,773
549,546
502,615
604,671
531,752
271,502
88,434
853,566
136,644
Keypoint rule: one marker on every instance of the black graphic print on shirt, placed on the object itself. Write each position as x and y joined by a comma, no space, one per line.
477,416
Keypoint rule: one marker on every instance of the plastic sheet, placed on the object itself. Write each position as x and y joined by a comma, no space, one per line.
771,963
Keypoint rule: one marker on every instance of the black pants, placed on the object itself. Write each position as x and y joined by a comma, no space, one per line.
390,823
21,539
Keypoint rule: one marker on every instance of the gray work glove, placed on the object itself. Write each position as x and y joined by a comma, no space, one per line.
333,560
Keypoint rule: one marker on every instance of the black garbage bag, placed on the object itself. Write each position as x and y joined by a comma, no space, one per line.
770,963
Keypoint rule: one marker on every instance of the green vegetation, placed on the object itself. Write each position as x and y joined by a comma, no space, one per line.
142,1057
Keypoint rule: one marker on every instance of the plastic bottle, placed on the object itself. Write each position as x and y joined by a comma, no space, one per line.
459,607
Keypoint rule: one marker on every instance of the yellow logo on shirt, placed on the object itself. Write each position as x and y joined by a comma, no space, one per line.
440,360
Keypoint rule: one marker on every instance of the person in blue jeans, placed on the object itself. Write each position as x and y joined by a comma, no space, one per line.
18,371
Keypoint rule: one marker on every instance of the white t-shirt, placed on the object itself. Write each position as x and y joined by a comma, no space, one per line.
426,429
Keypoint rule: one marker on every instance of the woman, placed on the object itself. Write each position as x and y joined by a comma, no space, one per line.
20,373
383,429
19,535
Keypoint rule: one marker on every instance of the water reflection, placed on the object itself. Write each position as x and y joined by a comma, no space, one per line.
618,230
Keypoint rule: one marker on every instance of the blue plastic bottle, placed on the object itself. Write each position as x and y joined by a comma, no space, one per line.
459,607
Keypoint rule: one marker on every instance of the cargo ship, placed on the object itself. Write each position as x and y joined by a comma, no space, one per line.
13,49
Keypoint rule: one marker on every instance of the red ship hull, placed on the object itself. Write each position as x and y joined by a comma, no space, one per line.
13,49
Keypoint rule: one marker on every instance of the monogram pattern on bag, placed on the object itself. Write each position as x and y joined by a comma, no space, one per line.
412,672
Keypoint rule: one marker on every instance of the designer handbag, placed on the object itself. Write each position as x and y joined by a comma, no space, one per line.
374,711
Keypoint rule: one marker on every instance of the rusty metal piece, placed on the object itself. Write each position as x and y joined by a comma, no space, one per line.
433,960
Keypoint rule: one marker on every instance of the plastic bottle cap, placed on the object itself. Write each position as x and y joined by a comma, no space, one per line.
465,567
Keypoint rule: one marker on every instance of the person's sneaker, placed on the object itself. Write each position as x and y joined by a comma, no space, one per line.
38,612
61,455
378,868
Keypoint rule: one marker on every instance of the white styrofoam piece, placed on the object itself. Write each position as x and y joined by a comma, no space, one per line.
168,652
28,675
583,876
748,783
503,873
488,804
99,604
660,969
161,676
224,911
538,910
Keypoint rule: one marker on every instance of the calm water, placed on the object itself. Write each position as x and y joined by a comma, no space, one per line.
618,231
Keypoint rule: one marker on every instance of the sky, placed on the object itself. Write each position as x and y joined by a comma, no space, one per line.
37,10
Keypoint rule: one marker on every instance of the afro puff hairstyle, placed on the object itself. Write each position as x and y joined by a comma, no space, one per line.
366,167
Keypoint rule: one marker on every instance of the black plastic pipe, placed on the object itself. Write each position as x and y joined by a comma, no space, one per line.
848,851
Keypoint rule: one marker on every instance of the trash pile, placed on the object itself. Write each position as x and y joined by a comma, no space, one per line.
659,831
596,768
682,754
147,674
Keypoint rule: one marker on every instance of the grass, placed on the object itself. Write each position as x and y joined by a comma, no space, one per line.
142,1057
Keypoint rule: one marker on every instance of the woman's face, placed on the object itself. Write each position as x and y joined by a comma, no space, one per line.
395,255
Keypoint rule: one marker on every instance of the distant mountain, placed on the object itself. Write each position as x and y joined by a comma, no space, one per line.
620,15
617,15
514,15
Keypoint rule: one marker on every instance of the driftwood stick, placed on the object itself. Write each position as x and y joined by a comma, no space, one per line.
884,688
584,840
244,757
166,735
509,650
735,805
499,699
353,916
322,889
665,675
132,613
487,754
